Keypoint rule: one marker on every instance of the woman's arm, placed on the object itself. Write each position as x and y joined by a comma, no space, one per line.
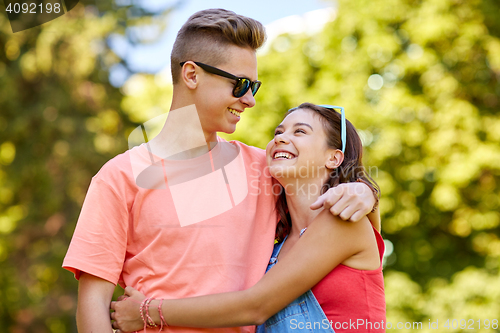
328,242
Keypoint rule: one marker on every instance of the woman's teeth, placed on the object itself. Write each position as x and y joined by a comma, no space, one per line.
233,111
283,155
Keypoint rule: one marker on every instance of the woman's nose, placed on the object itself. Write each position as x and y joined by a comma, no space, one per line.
280,138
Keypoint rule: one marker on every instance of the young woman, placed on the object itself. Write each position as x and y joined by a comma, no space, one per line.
334,272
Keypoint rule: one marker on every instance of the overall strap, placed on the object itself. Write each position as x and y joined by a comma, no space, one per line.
276,252
278,247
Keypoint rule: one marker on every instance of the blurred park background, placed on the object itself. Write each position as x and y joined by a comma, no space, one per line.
420,79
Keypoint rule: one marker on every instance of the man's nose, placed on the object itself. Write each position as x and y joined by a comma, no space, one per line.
248,99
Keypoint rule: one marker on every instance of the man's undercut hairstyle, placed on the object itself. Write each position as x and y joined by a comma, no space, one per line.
207,34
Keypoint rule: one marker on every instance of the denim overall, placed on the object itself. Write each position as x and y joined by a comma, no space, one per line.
302,315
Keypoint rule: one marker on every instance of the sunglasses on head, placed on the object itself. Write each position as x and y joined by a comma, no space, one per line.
242,83
343,127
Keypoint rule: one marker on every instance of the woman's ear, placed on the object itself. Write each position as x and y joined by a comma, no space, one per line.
334,159
189,76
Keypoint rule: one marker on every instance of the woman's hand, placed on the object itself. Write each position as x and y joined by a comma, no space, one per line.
127,316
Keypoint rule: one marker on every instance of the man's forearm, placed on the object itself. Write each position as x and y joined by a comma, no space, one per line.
93,319
94,298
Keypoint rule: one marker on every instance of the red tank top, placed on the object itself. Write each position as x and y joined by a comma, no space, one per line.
352,299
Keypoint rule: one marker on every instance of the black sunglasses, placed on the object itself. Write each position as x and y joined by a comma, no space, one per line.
242,83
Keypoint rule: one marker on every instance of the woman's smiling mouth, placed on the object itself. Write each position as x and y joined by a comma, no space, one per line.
283,155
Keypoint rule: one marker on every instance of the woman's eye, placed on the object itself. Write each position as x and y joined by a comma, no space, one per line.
300,131
277,133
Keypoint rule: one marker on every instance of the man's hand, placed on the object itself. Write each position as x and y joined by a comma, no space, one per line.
349,201
127,316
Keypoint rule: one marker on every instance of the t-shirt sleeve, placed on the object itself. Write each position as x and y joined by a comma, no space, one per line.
99,242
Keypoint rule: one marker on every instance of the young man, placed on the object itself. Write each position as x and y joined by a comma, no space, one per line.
188,214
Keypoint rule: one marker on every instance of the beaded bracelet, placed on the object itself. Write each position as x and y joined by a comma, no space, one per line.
144,311
151,322
141,311
146,318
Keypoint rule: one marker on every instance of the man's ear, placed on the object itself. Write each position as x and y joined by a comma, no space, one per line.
335,158
189,75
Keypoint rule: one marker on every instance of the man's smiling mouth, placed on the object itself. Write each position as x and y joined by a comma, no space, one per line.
235,112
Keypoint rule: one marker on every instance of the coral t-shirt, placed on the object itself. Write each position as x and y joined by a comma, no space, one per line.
178,228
